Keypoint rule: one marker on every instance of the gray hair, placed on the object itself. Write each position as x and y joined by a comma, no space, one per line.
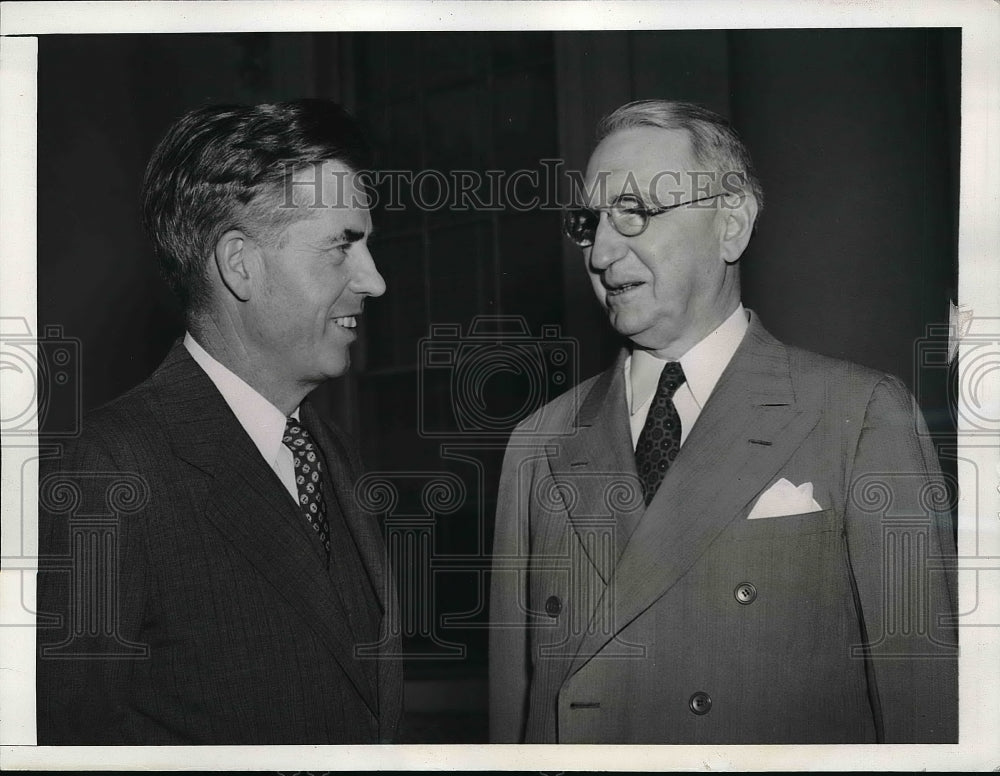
715,142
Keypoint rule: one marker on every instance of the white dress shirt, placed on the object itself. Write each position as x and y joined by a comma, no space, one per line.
263,422
703,365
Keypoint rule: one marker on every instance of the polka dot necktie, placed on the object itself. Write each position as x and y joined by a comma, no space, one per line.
660,439
308,478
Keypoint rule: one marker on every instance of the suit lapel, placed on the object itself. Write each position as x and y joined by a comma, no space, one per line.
596,464
246,501
751,425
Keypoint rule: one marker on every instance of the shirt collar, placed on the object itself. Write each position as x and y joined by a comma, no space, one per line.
703,364
263,422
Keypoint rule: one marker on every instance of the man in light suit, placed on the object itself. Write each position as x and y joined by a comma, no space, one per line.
720,539
206,575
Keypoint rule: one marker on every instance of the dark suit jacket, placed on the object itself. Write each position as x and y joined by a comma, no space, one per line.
686,622
182,596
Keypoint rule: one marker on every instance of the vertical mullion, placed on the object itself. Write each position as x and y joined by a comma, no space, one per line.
425,232
491,163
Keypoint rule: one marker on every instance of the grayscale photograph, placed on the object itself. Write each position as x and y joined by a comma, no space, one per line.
500,387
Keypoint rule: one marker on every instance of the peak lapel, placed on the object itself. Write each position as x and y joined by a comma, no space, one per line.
596,465
249,506
718,473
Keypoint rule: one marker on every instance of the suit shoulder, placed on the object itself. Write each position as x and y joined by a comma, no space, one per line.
117,428
133,408
815,371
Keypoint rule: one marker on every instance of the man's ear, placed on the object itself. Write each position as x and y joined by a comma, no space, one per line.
739,212
235,261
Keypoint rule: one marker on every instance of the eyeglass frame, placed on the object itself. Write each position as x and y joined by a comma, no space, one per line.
647,213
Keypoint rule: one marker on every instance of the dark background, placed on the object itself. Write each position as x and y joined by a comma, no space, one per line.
855,134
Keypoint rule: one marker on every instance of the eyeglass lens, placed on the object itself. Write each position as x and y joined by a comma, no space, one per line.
580,224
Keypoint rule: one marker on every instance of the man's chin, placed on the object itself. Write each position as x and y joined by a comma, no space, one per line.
643,338
336,365
626,326
339,371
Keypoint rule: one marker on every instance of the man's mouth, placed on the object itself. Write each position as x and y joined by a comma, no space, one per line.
618,290
347,321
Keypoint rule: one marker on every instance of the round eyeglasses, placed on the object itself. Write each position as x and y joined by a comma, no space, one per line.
628,216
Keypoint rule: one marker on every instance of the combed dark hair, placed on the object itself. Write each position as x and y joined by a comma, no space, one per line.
714,141
218,167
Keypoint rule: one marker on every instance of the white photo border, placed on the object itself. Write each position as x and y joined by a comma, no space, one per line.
979,279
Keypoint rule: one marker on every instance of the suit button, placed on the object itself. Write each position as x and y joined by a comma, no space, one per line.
745,593
553,606
700,703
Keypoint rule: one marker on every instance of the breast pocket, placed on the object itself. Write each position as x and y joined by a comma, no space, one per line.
772,528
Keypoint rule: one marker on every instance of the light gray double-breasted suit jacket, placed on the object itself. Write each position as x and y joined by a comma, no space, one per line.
687,622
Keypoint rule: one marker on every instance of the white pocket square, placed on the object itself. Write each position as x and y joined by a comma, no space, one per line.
783,498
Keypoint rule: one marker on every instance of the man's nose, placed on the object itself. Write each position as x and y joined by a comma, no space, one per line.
367,279
609,245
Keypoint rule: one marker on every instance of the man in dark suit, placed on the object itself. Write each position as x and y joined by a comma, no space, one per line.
720,539
206,575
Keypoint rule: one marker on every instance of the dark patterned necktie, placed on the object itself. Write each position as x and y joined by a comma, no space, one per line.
308,478
660,439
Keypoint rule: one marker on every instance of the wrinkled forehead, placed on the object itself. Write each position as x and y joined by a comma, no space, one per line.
655,166
330,184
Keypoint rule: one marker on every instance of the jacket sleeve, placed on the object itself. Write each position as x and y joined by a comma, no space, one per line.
509,659
90,591
901,552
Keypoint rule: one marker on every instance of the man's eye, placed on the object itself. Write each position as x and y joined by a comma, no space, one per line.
630,205
337,254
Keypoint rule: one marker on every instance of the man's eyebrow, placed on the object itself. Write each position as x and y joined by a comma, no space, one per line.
349,235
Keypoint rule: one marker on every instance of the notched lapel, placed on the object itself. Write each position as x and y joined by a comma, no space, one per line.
249,506
265,527
595,469
364,530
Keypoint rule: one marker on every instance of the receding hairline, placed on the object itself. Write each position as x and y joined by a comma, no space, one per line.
679,135
668,116
714,141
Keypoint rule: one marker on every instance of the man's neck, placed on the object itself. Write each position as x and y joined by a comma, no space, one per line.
675,350
222,344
